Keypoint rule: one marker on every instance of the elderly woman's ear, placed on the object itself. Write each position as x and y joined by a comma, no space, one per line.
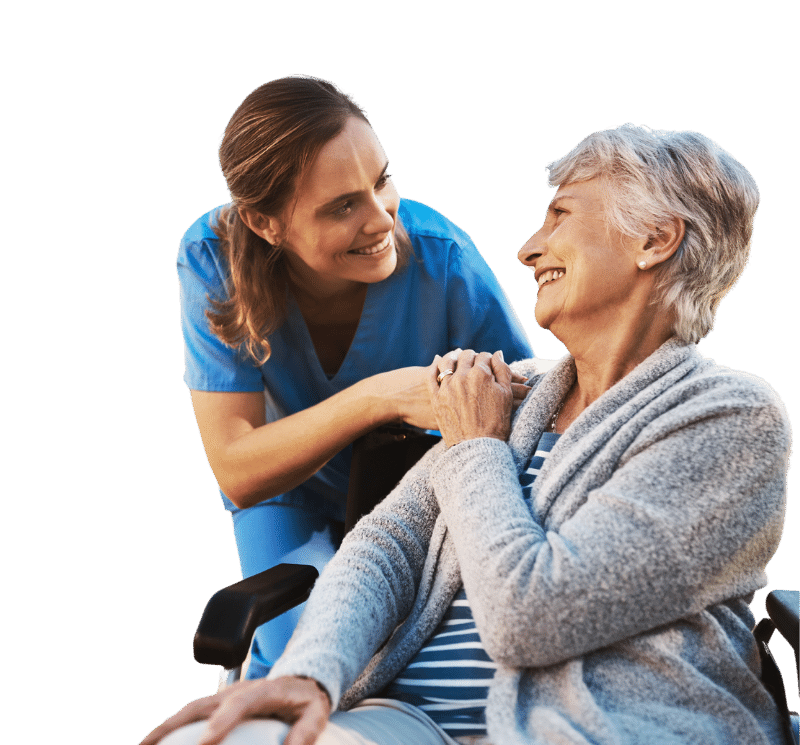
661,244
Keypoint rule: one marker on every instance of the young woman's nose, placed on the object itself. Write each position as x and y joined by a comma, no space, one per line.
380,218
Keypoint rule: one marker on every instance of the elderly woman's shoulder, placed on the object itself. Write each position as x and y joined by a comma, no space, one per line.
717,387
716,375
533,367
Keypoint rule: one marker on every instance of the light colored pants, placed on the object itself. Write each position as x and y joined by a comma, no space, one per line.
374,721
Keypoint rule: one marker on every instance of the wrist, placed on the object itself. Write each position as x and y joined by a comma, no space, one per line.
375,404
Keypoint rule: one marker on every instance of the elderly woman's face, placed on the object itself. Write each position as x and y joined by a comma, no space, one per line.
585,269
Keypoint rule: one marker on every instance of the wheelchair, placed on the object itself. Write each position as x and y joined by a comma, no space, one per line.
380,458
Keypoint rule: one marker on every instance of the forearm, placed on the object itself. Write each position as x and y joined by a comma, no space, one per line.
367,589
644,548
259,463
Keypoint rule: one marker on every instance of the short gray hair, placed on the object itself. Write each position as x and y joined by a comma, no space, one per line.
651,177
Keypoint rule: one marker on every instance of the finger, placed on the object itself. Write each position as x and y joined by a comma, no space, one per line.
519,391
193,712
222,722
517,378
466,359
251,700
484,361
433,378
502,372
310,724
448,362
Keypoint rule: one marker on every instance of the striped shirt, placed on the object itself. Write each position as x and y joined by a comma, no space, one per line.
449,677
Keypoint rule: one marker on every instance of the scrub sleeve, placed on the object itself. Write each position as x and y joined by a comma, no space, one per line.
445,297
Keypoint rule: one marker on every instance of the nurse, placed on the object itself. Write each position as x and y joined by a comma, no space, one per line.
311,306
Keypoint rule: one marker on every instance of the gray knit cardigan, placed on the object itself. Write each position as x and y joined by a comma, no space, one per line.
616,603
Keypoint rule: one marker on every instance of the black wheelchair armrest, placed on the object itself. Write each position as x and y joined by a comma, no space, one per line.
233,614
783,607
380,458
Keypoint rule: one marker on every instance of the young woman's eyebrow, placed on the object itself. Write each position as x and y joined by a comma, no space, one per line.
350,194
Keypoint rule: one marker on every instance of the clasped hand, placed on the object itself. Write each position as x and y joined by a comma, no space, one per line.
477,399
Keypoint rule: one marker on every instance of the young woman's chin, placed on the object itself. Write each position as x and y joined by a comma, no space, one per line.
374,266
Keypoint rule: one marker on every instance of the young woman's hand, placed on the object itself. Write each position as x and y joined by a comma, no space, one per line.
472,395
408,392
300,702
404,394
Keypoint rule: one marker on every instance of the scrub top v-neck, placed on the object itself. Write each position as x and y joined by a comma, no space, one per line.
444,297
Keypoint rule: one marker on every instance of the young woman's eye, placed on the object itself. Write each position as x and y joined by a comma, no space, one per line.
343,209
383,180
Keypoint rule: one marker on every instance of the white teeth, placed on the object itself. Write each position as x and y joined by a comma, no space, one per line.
549,276
375,249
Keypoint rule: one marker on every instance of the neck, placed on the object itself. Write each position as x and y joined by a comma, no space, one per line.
320,294
604,356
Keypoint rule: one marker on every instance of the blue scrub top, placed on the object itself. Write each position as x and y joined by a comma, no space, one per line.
445,297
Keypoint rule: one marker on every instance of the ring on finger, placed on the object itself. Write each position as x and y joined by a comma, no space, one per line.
442,375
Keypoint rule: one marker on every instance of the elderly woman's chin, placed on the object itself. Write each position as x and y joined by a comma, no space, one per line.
542,318
546,312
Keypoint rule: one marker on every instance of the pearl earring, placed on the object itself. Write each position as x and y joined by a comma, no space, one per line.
642,265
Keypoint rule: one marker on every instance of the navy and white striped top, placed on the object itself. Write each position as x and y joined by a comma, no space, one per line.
449,677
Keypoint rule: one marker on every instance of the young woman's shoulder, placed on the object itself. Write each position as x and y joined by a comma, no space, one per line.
201,265
201,230
421,221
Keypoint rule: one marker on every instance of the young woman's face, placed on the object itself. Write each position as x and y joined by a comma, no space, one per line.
340,226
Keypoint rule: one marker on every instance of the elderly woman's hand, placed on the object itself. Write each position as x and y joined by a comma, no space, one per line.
476,399
298,701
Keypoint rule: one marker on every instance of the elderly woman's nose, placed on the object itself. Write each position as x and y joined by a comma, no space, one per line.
531,251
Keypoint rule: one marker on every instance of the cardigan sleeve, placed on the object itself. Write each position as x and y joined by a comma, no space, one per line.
686,517
367,589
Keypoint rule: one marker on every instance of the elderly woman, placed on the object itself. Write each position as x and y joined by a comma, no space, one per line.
604,546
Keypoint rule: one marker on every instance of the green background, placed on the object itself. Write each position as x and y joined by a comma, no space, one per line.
114,535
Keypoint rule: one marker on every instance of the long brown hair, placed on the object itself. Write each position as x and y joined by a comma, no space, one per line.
276,132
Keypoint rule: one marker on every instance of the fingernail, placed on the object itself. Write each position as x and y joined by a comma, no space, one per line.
500,352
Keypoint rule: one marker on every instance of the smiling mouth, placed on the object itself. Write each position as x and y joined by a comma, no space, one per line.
551,275
372,250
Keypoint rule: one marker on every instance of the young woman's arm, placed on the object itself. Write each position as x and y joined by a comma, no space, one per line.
254,461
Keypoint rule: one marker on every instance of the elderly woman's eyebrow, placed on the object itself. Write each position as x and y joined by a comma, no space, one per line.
558,199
